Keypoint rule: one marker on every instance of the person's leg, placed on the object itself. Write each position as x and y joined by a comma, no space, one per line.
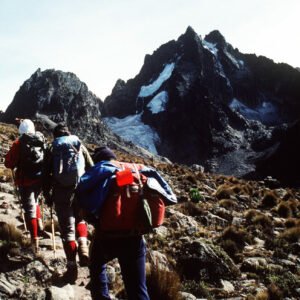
28,200
99,282
82,238
132,261
65,214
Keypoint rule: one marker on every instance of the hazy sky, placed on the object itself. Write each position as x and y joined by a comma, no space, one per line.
104,40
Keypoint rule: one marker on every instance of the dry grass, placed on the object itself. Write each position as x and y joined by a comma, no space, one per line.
269,199
238,236
163,284
11,240
291,234
224,191
10,233
227,203
191,209
284,210
272,293
292,222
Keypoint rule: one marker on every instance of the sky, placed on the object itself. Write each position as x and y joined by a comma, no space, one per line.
104,40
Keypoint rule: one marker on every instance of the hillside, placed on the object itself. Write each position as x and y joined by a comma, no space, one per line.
226,238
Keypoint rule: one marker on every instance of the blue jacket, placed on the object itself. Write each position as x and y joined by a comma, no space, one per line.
94,185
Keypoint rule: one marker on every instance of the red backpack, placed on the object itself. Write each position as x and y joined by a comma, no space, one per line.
131,206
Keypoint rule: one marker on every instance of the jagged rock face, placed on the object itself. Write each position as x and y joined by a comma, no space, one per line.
208,103
63,98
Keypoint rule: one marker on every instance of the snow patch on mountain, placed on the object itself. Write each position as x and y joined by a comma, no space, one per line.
148,90
237,63
131,128
266,112
159,102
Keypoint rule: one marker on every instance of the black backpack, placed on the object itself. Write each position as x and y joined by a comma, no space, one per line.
32,150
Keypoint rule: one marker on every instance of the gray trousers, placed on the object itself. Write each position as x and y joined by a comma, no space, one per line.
63,201
29,198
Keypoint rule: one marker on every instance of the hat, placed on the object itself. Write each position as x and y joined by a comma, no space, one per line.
103,153
26,126
61,130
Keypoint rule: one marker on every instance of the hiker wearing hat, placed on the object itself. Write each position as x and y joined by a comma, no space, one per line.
102,191
25,158
66,160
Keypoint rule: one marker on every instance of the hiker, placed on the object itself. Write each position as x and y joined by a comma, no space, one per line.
66,160
26,156
96,194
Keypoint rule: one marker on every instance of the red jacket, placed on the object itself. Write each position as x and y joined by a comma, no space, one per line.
11,161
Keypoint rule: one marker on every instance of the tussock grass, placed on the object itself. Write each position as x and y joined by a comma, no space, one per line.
291,234
191,209
11,240
284,210
272,293
233,240
257,218
292,222
163,284
10,233
224,191
269,199
228,203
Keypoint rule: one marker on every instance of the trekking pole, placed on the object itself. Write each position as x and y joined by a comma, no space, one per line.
19,200
53,233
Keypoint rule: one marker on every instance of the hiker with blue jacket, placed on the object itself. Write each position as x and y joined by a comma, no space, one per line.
66,160
101,191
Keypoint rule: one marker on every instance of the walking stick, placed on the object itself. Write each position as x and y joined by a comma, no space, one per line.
19,200
53,233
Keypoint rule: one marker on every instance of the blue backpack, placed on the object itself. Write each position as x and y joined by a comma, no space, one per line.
68,160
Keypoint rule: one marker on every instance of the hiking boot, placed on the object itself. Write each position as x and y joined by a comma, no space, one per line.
71,274
83,252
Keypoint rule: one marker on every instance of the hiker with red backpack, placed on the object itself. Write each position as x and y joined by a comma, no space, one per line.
25,158
66,160
126,201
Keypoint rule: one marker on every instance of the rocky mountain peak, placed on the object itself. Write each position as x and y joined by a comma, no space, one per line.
215,37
